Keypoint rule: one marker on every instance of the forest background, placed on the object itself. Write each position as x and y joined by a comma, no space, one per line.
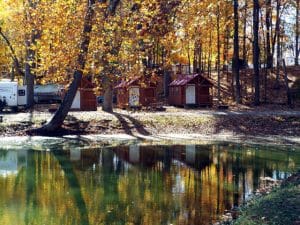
46,41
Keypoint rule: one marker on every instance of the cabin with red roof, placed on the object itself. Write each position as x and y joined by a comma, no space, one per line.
136,93
190,90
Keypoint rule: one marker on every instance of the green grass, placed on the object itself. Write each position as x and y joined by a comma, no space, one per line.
282,206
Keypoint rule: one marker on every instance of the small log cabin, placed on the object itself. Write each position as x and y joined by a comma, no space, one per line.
85,99
190,90
135,93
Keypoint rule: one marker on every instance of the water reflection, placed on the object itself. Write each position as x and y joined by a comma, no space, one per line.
11,162
133,184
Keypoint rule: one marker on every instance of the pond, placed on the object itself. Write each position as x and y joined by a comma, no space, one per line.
136,184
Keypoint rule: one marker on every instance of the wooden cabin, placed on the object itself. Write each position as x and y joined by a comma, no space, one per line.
85,99
190,90
135,93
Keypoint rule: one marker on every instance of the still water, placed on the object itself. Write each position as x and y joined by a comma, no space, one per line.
133,184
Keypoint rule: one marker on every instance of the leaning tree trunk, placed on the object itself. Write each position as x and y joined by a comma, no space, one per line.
256,51
60,115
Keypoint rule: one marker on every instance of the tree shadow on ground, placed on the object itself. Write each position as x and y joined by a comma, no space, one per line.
125,121
258,127
75,124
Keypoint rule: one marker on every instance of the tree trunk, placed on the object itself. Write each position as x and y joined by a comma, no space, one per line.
297,33
256,51
60,115
277,26
30,54
236,69
278,43
29,77
195,58
108,97
209,54
204,61
265,58
268,35
219,51
189,58
109,72
245,32
200,58
226,51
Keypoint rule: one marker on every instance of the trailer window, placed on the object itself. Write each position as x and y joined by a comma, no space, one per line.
21,92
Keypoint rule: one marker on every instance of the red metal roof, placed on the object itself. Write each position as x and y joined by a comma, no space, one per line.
185,79
124,83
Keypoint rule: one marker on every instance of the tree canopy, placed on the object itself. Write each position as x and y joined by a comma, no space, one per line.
143,37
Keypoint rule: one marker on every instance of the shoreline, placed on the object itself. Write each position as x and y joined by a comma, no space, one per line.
277,203
264,126
264,198
99,140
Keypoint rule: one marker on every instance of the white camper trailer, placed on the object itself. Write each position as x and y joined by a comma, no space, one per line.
12,95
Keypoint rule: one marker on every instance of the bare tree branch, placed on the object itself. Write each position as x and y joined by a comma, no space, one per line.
13,53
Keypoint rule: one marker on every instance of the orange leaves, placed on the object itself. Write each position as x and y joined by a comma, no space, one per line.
121,43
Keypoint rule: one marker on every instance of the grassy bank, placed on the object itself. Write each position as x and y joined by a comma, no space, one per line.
281,206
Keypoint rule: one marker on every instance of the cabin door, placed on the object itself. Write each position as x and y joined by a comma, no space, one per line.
134,96
190,94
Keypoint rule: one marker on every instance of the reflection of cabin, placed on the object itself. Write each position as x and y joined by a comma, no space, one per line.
150,156
190,90
85,99
135,93
12,161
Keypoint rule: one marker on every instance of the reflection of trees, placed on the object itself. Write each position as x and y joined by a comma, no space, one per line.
236,169
110,184
74,185
165,186
216,186
40,196
139,197
31,195
45,192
